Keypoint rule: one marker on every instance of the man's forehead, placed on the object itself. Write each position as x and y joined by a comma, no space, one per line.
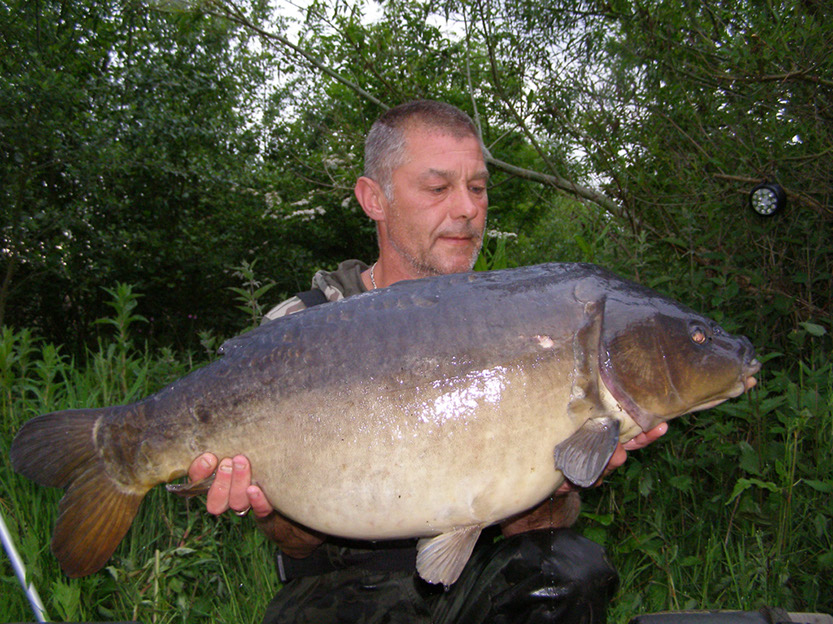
421,133
420,137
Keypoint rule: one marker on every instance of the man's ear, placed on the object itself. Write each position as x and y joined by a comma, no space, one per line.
371,198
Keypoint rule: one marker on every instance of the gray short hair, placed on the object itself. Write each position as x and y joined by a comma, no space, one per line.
384,148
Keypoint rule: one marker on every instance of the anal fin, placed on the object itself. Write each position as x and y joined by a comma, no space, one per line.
441,559
584,455
191,488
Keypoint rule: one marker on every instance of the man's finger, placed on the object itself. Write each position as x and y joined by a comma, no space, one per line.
202,467
260,506
217,500
646,438
241,478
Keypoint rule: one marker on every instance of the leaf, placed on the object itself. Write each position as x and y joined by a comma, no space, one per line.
813,329
744,484
67,598
825,487
749,461
681,482
646,485
769,404
597,534
820,522
603,519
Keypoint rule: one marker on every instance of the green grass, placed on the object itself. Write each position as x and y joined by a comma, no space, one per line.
733,509
177,563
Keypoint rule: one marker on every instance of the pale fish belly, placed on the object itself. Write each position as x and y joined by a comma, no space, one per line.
418,461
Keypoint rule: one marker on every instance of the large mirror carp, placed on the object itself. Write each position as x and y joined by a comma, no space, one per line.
428,409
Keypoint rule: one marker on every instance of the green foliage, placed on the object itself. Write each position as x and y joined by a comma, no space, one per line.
126,155
177,564
251,293
493,256
730,508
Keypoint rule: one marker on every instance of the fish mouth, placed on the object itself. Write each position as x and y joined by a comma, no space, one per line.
748,378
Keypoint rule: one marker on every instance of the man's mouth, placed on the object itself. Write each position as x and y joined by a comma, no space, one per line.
464,237
456,239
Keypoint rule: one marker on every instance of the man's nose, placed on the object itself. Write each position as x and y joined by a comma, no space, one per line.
465,205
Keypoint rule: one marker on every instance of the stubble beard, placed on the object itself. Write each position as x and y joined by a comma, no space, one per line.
426,263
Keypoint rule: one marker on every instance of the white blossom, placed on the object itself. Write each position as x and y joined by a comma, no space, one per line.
306,214
501,235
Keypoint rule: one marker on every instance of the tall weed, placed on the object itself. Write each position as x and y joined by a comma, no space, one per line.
177,564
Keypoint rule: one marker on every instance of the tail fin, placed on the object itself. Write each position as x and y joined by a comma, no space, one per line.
59,450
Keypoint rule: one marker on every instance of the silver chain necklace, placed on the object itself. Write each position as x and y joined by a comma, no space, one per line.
372,275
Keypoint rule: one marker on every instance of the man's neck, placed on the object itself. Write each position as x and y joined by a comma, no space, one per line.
384,272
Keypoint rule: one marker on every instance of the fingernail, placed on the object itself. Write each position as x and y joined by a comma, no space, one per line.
225,466
239,465
206,463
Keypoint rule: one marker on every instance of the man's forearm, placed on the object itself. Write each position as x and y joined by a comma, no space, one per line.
292,539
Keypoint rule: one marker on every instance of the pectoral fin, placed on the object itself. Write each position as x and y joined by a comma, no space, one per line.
195,488
441,559
583,456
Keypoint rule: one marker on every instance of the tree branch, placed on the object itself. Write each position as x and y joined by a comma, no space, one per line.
232,12
556,181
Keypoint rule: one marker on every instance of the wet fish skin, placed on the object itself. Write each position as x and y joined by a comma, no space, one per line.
428,409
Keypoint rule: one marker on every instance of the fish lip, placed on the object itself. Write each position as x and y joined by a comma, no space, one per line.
751,367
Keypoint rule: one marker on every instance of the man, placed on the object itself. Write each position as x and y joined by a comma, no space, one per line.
424,185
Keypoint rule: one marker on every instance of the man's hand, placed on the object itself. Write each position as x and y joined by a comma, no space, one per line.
641,441
559,511
233,489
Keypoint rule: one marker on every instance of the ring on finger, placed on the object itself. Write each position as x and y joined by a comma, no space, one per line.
241,513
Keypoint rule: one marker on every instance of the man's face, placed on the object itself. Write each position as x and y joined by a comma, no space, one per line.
437,215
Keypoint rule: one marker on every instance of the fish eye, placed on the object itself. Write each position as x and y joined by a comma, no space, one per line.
698,335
